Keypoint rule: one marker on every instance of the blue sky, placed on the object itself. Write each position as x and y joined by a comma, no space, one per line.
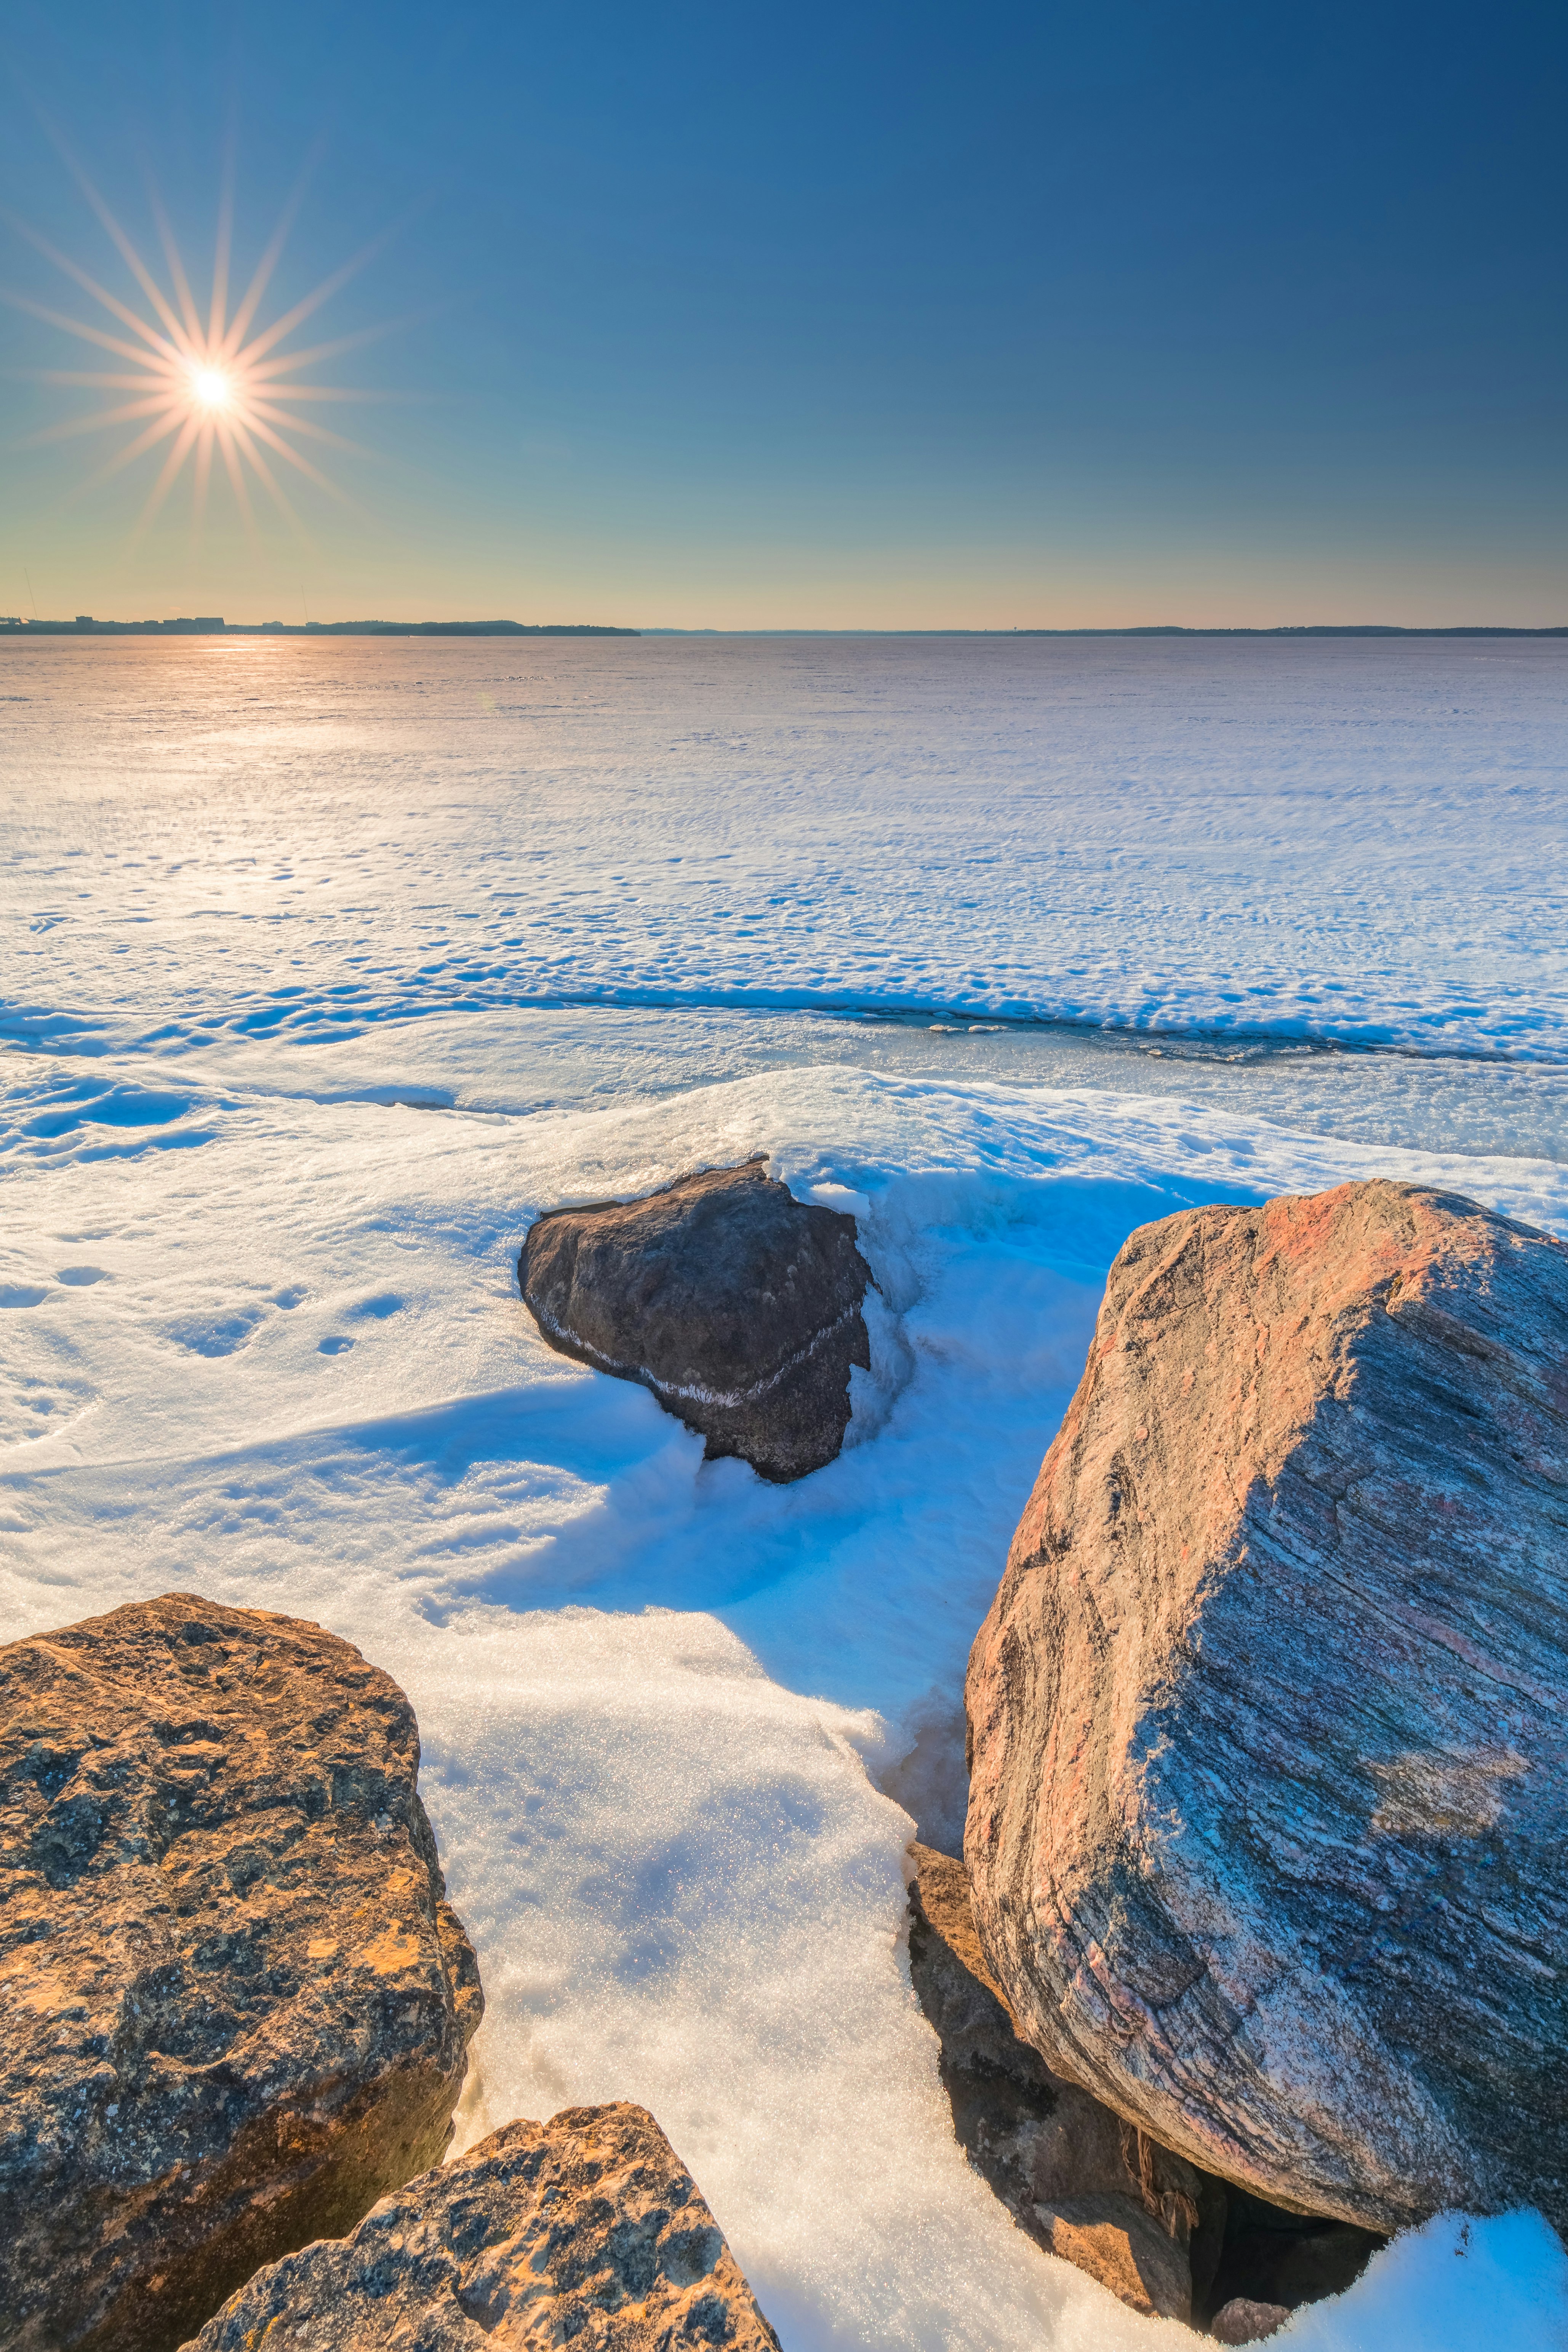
832,316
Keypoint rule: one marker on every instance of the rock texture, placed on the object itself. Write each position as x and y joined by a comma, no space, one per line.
739,1305
1164,2236
1267,1719
1242,2321
233,2004
586,2231
1076,2179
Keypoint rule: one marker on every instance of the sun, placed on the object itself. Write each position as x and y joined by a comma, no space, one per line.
206,380
212,389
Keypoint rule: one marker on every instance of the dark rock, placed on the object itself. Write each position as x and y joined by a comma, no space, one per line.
1270,2256
236,2004
1267,1766
1080,2182
739,1305
586,2231
1243,2322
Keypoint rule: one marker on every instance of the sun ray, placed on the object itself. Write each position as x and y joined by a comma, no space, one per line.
357,392
325,291
150,439
204,476
73,326
236,477
176,260
227,386
133,259
264,431
85,377
313,431
71,426
334,350
165,481
271,255
269,481
221,253
121,310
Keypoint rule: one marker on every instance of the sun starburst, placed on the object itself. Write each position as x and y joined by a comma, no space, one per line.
213,385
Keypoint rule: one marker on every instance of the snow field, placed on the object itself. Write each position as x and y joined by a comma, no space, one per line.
1354,840
655,1695
282,928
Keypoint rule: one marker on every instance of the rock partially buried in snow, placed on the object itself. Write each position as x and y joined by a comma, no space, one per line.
1266,1719
587,2231
1076,2179
1242,2321
236,2004
739,1305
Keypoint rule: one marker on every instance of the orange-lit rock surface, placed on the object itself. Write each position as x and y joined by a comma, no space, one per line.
1267,1719
586,2231
235,2005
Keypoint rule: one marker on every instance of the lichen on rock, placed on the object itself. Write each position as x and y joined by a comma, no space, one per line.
235,2002
586,2231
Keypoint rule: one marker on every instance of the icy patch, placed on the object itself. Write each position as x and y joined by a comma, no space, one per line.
1456,2285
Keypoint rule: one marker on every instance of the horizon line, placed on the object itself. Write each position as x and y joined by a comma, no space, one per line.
15,626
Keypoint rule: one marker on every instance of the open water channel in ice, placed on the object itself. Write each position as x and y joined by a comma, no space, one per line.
281,1100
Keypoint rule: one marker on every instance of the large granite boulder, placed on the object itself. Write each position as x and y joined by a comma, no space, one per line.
739,1305
1268,1772
586,2231
236,2006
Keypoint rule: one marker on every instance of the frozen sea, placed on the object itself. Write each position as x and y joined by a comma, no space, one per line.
326,966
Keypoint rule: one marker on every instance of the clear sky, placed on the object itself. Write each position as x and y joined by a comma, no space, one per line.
828,316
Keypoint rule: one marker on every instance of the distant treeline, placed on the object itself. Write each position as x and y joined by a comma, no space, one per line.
214,626
1307,629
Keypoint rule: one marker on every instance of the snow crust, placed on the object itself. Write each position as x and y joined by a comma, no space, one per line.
1357,840
260,1337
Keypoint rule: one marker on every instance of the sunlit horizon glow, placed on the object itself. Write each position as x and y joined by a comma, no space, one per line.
206,385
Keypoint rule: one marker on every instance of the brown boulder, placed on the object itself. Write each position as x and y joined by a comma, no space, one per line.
587,2231
1266,1720
1080,2182
739,1305
236,2004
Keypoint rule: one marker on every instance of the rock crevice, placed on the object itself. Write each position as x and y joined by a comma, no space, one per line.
587,2231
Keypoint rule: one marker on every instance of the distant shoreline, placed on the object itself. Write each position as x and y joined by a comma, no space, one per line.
14,631
1151,629
214,626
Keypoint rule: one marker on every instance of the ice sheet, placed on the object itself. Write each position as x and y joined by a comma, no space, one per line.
1358,840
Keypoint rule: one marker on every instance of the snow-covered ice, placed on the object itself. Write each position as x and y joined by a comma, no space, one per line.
1354,839
274,1123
